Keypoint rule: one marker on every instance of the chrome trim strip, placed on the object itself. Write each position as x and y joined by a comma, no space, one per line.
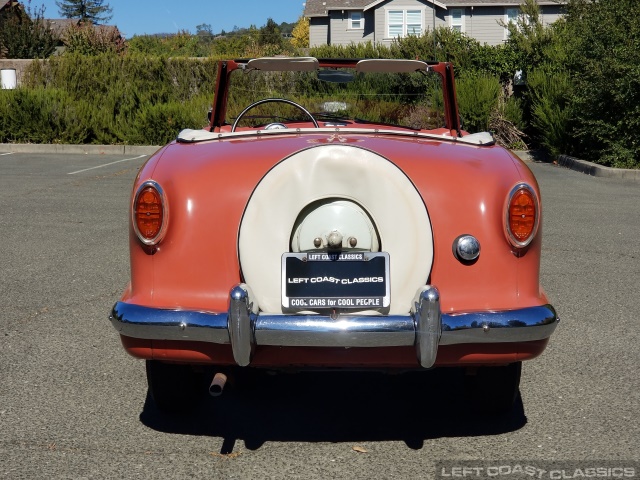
195,136
425,327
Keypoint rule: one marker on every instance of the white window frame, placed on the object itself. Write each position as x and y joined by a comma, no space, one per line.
404,26
453,22
360,20
508,20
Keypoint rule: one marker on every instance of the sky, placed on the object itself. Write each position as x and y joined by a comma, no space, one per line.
138,17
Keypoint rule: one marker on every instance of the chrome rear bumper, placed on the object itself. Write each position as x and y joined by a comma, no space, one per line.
425,326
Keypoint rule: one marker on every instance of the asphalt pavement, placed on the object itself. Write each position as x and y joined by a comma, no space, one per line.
74,405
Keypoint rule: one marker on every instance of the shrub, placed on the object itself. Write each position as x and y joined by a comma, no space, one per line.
109,99
182,44
478,96
550,110
507,124
450,46
354,50
44,116
158,124
498,61
511,109
88,39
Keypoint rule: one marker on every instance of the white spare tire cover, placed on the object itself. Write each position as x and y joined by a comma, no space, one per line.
335,171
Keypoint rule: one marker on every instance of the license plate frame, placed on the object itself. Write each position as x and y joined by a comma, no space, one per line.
335,281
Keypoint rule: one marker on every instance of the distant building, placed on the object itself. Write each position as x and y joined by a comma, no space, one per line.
11,10
342,22
5,5
11,7
60,25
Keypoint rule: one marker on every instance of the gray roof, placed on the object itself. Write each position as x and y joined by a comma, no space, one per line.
320,8
59,25
499,3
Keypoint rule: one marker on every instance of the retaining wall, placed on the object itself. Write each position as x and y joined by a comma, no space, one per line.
19,65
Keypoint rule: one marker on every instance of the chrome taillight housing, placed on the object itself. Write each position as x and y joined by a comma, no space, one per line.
149,213
522,215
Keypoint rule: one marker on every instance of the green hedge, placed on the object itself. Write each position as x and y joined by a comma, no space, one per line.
139,99
108,99
43,116
144,99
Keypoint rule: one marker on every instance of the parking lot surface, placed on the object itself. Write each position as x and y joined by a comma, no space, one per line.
74,405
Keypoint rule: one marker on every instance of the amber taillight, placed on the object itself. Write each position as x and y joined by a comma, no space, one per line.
149,213
522,215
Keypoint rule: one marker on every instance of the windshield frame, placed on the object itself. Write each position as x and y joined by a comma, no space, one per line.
227,67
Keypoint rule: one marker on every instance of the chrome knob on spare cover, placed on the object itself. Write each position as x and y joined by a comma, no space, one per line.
334,240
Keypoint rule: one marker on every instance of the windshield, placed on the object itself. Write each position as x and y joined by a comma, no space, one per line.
338,96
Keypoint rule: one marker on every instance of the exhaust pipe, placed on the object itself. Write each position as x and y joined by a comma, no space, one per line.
217,384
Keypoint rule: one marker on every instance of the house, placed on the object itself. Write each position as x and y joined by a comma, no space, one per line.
5,5
13,9
60,25
11,12
9,8
342,22
104,33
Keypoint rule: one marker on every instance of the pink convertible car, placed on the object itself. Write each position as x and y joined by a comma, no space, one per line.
334,214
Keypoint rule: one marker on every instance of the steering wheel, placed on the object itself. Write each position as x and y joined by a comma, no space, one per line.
272,100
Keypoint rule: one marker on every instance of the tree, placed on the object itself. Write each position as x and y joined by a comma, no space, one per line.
92,11
270,34
181,44
204,29
603,56
540,53
204,34
301,33
531,40
25,34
